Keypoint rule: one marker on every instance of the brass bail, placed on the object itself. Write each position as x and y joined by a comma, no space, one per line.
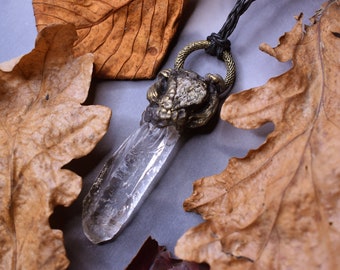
203,44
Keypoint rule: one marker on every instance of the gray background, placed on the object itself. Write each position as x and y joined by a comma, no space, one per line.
161,215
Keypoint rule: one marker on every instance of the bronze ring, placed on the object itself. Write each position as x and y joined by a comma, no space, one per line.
203,44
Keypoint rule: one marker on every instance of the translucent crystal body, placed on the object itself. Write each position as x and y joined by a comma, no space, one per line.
125,180
178,100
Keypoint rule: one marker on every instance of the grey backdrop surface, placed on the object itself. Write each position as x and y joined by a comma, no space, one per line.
161,215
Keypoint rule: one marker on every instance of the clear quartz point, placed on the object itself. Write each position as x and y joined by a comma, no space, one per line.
125,180
178,100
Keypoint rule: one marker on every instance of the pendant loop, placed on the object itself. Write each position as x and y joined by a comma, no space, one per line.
203,44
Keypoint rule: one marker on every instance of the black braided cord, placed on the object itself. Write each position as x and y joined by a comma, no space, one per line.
219,41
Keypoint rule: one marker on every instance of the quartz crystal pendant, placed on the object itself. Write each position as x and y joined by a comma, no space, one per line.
179,100
127,176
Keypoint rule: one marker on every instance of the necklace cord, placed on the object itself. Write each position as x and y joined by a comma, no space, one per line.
219,42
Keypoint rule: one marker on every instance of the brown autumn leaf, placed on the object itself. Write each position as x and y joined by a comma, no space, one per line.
129,38
279,207
43,127
152,256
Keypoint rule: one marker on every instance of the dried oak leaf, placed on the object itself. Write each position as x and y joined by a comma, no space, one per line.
279,207
43,126
129,38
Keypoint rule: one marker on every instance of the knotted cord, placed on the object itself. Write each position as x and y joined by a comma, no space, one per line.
219,42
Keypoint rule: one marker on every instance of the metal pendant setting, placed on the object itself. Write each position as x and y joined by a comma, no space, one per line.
178,100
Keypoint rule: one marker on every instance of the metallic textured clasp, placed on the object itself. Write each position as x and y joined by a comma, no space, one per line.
204,44
183,98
